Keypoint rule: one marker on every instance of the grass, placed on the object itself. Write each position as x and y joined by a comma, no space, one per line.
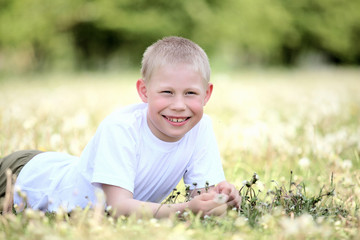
298,130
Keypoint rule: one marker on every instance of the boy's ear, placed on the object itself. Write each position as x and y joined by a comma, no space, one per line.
208,93
141,89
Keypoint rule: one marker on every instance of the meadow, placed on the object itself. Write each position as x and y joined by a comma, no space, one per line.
289,139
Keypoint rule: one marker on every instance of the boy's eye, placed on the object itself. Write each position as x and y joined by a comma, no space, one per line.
167,92
191,93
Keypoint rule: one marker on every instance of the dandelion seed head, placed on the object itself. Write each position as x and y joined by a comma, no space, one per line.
153,220
17,189
29,212
55,140
347,181
221,198
108,208
346,164
304,162
23,195
240,222
29,123
294,226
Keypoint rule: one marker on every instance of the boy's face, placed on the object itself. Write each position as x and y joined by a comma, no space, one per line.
176,96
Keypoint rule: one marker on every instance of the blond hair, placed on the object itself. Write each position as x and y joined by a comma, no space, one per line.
174,50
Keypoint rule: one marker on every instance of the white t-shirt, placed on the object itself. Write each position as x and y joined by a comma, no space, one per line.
125,153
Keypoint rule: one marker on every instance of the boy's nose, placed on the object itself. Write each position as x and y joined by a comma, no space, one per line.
178,104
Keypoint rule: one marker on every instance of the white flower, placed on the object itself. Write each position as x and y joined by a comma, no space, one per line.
245,182
346,164
304,162
301,224
29,123
108,208
221,198
240,221
30,213
153,220
55,140
17,189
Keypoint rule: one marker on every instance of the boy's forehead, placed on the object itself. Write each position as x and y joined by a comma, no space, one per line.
179,68
169,83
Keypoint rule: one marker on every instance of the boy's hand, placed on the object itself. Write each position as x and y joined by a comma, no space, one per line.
229,190
206,204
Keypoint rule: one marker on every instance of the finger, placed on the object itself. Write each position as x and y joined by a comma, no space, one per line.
218,211
207,196
233,194
213,190
213,202
232,203
225,190
236,202
220,186
231,197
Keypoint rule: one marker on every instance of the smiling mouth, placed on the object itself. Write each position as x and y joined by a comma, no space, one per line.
176,120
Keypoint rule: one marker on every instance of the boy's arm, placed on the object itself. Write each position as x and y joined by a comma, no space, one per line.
223,187
122,203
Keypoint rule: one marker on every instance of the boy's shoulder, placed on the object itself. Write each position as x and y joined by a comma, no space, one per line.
206,118
128,116
206,125
127,113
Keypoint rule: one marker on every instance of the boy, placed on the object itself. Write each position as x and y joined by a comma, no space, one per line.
140,153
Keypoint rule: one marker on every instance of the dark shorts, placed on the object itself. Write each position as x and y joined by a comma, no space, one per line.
15,162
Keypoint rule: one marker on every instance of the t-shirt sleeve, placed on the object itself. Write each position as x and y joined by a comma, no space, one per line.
114,156
205,164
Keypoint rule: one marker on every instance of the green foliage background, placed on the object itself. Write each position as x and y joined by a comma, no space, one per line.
112,34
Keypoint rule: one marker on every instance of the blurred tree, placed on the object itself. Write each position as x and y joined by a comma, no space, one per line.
98,34
252,31
327,26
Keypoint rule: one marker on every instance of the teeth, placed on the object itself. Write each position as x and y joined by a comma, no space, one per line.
177,120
